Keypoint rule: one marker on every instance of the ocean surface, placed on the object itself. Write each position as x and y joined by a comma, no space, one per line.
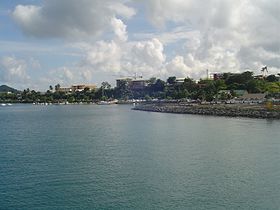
110,157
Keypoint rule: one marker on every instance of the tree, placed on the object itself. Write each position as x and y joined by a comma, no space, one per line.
271,78
224,96
158,86
242,78
148,98
51,88
246,76
105,85
123,91
70,99
256,86
273,87
57,87
189,85
171,80
182,93
152,80
220,84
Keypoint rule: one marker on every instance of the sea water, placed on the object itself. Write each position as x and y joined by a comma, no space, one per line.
111,157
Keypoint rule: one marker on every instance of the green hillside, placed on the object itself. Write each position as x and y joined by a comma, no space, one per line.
5,89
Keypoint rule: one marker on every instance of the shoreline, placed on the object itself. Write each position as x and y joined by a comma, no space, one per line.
229,110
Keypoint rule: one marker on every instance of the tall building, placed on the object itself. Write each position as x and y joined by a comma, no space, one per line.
133,84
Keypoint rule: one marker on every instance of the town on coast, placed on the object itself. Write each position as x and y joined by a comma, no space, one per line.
226,94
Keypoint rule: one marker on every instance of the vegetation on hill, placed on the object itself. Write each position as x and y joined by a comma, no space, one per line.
7,89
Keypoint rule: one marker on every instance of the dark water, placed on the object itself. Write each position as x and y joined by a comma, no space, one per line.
109,157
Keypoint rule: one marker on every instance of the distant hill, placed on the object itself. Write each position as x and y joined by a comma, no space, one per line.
5,89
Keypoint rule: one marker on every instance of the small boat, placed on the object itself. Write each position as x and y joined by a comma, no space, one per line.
3,104
103,103
107,102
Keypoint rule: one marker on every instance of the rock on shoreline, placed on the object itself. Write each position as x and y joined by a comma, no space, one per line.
236,110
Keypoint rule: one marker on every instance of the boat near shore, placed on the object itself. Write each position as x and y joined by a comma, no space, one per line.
4,104
107,102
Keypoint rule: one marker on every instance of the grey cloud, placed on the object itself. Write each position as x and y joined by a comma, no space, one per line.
275,62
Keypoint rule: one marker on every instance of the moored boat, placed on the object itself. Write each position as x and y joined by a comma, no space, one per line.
107,102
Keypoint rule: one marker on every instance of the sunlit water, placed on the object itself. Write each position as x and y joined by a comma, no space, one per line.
110,157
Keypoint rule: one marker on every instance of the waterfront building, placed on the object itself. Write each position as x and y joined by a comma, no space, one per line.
218,76
77,88
120,81
180,80
133,84
65,89
81,87
139,84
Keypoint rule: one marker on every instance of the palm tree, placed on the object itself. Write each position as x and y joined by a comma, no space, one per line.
57,87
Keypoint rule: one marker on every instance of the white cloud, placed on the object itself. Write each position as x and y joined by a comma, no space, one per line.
124,58
178,68
69,18
103,56
62,75
233,34
119,29
13,70
65,76
119,7
149,53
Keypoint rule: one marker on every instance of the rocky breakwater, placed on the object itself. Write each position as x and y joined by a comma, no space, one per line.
231,110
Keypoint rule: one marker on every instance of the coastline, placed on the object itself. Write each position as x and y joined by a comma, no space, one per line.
229,110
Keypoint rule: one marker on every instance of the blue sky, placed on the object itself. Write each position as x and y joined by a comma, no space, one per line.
45,42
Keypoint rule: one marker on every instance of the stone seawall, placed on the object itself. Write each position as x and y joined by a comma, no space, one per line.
252,111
